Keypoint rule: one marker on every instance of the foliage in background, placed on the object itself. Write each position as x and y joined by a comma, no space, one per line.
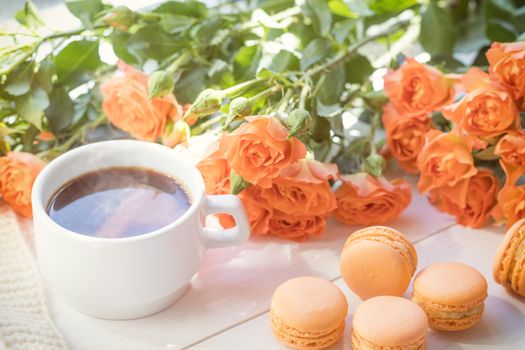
316,66
301,56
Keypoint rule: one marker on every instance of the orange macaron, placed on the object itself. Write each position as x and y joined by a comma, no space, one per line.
387,323
509,264
308,313
378,260
452,295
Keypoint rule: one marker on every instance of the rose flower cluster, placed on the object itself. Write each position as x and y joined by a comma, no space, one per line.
288,195
472,168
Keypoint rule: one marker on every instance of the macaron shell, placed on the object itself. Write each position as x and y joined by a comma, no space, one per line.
297,339
372,268
505,254
389,236
388,321
450,283
518,272
309,304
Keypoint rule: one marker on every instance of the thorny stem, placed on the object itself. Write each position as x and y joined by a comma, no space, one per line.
265,93
240,88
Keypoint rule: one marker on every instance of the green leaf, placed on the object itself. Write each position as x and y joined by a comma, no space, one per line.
20,80
237,183
319,12
498,9
360,7
205,31
273,6
176,23
31,105
29,17
487,154
85,10
217,67
471,36
375,100
45,74
284,60
374,164
314,52
246,61
191,83
328,111
188,8
10,56
120,41
81,105
358,69
320,129
160,84
341,30
60,111
501,31
75,62
519,19
332,86
152,42
390,6
339,8
438,32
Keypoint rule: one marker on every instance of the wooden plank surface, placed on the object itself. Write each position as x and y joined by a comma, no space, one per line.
233,286
502,326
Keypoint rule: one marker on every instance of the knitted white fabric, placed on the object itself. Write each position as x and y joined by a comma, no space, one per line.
24,321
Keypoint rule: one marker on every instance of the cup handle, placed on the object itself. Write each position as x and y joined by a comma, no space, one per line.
226,204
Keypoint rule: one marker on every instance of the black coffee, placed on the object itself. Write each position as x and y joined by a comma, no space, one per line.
118,202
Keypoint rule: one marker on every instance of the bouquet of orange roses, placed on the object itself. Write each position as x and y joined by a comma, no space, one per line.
289,89
463,135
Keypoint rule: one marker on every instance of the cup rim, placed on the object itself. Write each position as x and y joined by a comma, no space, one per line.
48,171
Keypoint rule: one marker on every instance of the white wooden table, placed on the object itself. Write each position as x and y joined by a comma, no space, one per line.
228,302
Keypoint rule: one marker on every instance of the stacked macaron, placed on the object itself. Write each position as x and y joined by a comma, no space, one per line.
378,260
378,263
509,264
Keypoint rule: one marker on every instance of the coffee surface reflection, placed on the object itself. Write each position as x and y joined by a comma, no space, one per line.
118,202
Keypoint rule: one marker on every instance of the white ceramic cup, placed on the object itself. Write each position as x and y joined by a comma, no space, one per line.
131,277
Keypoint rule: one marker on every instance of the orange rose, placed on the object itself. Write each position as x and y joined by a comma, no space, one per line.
45,136
216,174
18,171
511,150
296,227
129,108
445,160
472,203
486,111
303,188
511,205
416,88
260,149
405,136
259,211
366,200
507,65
